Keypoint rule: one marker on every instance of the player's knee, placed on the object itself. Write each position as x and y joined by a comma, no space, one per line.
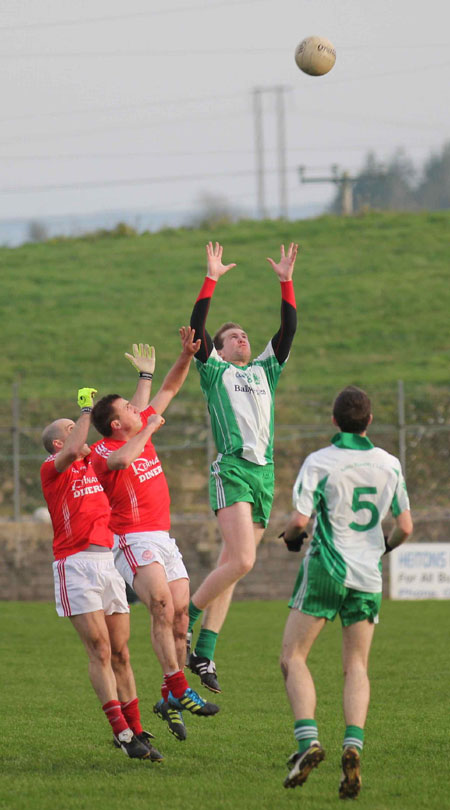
180,621
121,656
179,631
100,650
244,565
355,667
161,608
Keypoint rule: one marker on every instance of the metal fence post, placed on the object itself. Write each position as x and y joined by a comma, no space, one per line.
401,425
16,449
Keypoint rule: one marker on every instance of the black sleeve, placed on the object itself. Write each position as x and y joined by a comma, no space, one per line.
282,341
198,322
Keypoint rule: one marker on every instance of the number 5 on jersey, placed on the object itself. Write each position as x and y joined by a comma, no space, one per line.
358,504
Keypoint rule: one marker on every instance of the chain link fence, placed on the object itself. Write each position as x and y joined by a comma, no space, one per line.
411,422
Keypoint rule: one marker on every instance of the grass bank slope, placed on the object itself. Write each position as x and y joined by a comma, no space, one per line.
373,298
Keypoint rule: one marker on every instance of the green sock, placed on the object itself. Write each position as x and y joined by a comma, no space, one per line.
194,613
206,644
305,732
354,735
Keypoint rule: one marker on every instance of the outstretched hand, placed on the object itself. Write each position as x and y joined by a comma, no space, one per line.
189,345
143,357
285,267
214,261
85,397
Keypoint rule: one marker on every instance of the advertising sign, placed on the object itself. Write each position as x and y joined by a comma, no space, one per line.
420,571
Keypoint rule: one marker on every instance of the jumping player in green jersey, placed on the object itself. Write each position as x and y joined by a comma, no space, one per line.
240,396
351,486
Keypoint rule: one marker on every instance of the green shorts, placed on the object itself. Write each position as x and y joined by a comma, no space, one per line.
233,480
317,593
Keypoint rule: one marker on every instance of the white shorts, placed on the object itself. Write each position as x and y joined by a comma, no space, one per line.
142,548
88,581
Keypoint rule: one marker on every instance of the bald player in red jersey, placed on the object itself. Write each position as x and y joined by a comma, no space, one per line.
88,588
148,558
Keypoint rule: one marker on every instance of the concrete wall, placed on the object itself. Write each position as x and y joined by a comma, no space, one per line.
26,556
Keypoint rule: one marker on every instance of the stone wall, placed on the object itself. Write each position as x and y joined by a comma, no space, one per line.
26,557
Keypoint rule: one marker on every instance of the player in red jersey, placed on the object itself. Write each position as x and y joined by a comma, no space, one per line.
88,588
148,558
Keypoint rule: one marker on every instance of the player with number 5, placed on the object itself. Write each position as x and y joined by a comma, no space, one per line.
351,486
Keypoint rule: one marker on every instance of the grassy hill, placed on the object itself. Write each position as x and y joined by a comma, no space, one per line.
372,291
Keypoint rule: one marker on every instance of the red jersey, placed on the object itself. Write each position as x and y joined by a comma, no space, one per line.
78,507
139,496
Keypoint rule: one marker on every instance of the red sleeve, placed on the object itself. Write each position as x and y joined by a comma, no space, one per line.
287,292
207,289
145,414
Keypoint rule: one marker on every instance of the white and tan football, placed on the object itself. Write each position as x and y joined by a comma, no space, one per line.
315,56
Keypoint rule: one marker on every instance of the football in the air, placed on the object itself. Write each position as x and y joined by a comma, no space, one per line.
315,55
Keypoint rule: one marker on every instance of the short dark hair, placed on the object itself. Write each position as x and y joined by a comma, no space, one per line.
218,337
352,410
103,414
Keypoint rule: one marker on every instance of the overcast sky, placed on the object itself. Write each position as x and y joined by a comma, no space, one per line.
147,104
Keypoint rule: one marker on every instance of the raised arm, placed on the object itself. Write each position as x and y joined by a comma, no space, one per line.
175,378
282,340
143,359
215,269
75,444
131,450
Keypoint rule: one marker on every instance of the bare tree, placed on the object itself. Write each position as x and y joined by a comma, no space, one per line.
213,210
37,231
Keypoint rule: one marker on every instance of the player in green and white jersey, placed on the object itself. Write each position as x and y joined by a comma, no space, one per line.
240,396
350,486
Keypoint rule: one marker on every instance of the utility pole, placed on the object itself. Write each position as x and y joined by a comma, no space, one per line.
278,91
259,152
16,449
281,140
342,179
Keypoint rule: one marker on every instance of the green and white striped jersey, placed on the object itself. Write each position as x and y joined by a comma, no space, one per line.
241,404
351,485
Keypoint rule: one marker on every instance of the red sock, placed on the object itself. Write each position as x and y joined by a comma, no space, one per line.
177,683
164,691
130,711
114,714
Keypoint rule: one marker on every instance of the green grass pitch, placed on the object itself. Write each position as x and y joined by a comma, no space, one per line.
56,749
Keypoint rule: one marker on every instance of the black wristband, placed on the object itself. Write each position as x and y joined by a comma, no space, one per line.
387,547
146,375
86,409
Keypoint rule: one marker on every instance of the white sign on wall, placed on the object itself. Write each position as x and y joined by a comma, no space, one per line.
420,571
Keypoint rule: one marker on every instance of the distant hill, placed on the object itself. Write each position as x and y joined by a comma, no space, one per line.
373,299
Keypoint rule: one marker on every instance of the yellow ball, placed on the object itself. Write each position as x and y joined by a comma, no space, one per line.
315,55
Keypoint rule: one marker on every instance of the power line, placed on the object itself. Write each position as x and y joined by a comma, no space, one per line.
118,108
193,100
402,71
126,127
133,181
202,153
139,52
215,117
130,15
139,212
328,115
